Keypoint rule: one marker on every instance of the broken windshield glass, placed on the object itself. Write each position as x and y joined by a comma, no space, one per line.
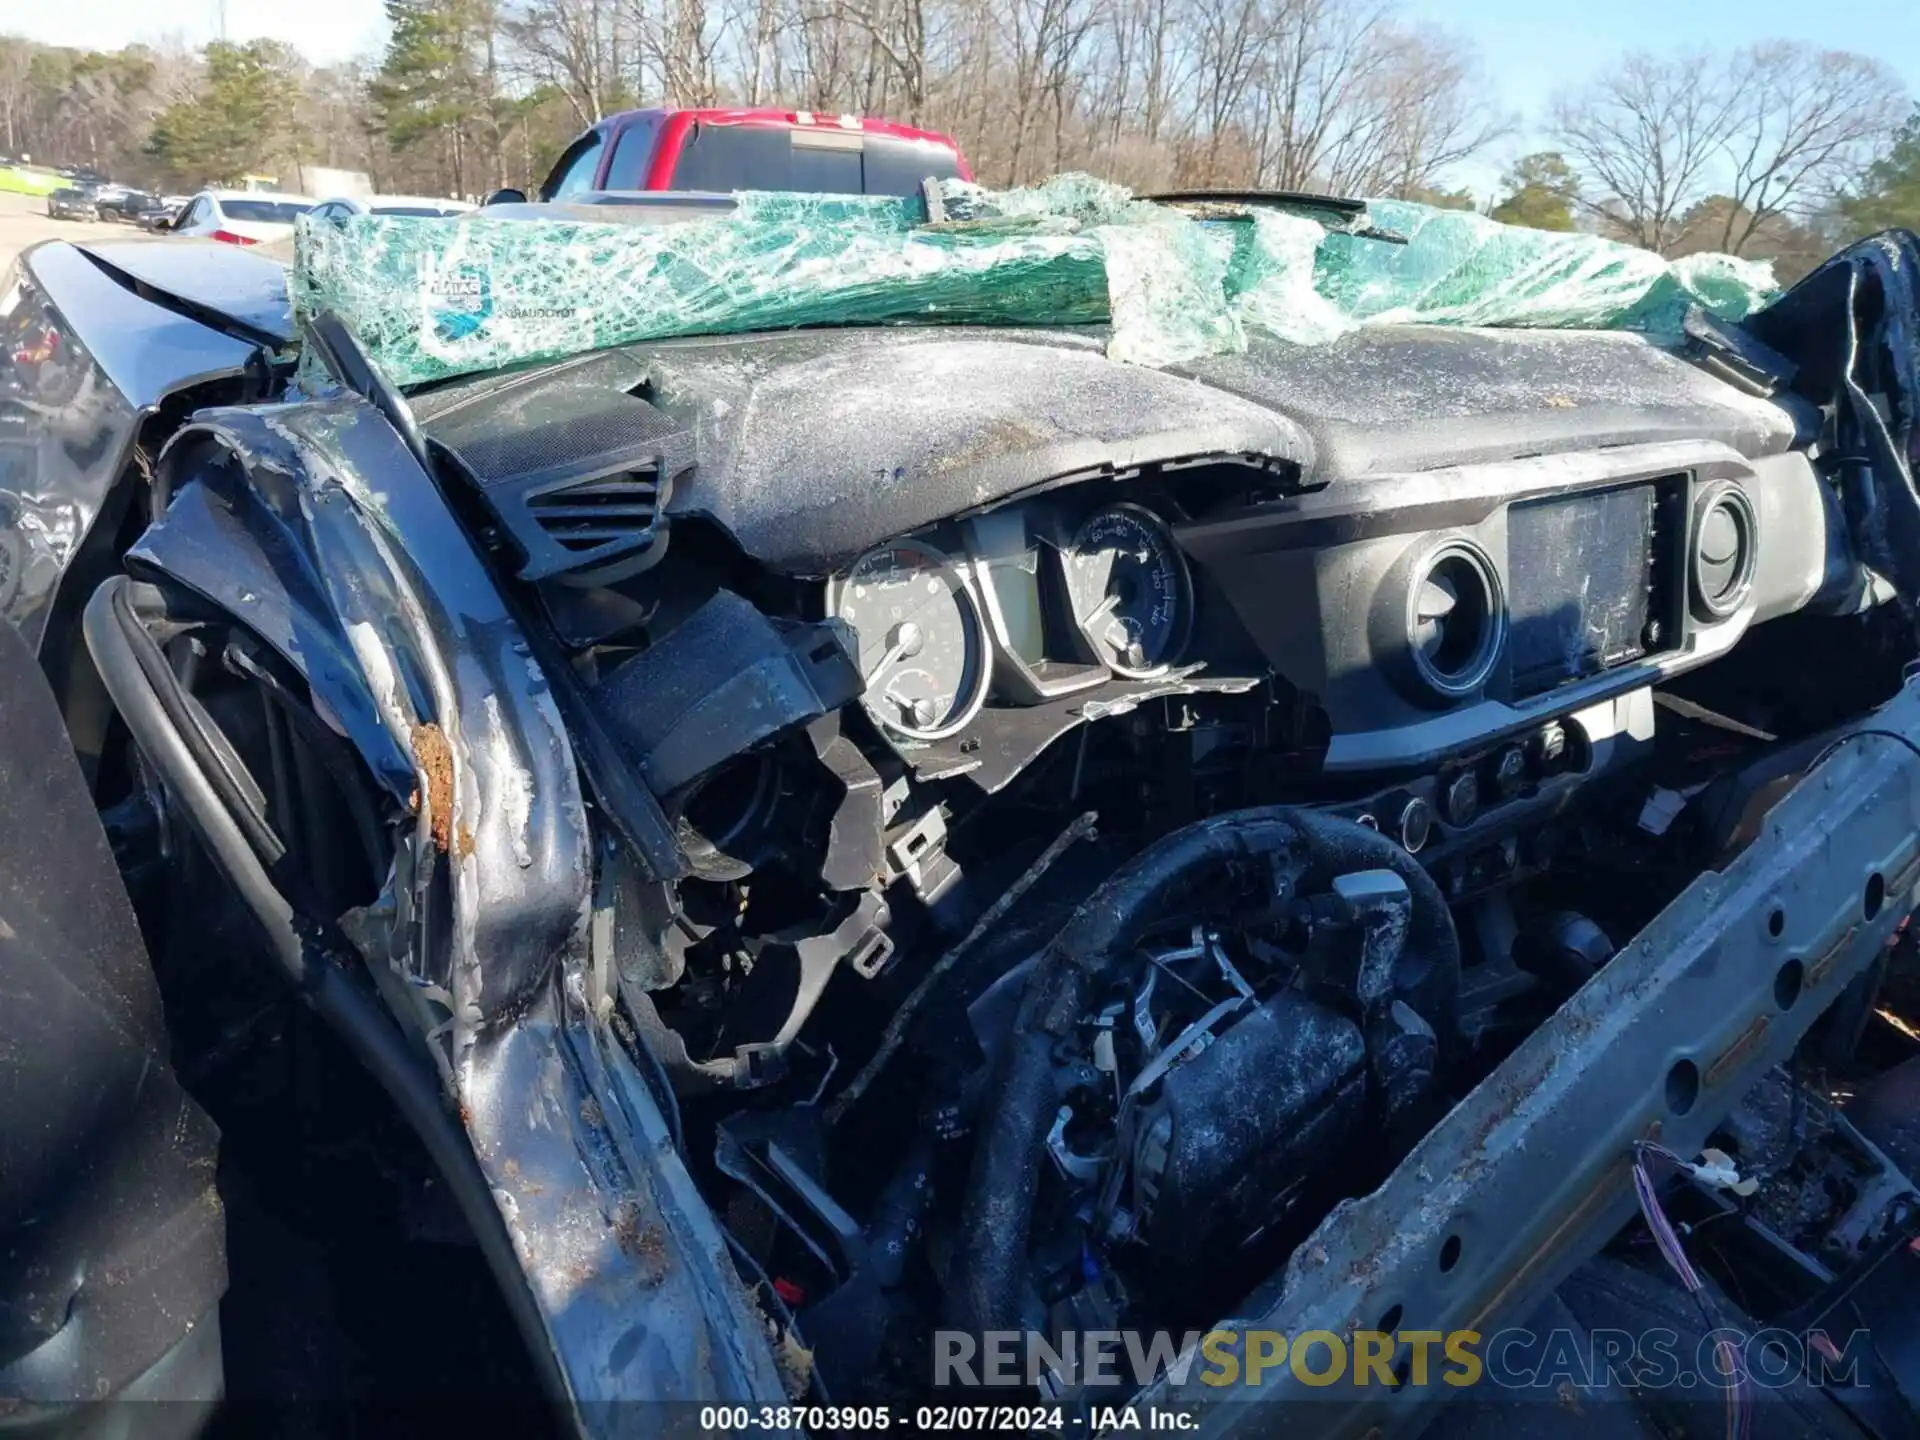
432,298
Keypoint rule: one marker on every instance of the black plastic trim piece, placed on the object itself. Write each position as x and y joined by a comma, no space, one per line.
346,359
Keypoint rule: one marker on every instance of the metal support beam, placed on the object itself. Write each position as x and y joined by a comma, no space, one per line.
1529,1175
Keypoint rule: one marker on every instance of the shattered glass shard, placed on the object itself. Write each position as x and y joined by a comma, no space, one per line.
432,298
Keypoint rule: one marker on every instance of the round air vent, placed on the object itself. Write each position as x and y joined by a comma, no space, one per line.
1723,551
1455,619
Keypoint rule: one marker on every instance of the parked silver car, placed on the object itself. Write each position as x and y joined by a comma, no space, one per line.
71,204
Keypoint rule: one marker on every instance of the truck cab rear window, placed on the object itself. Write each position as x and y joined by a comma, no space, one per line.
750,157
895,166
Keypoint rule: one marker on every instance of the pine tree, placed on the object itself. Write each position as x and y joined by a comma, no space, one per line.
1540,193
238,121
438,90
1890,197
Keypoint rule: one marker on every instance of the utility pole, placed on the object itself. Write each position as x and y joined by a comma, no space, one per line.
220,19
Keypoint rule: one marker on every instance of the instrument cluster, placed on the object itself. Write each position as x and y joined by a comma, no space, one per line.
1028,604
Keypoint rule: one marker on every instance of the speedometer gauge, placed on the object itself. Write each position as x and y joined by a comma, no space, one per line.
1130,591
922,646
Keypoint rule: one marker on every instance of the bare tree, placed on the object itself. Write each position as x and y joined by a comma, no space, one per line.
832,44
16,90
1765,133
1163,58
1430,109
1807,122
765,72
1043,39
680,44
1646,136
1310,94
335,121
1317,93
577,46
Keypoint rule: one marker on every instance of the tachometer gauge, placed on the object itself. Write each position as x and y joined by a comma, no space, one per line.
923,649
1130,591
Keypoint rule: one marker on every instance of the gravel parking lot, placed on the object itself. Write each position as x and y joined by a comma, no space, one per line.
23,221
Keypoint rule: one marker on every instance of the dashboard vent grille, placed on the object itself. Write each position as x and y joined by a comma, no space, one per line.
577,472
600,518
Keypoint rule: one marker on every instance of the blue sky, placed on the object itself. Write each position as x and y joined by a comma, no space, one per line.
1535,47
1532,47
326,30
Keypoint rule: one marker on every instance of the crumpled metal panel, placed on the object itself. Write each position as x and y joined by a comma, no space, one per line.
244,547
81,360
440,673
240,284
626,1266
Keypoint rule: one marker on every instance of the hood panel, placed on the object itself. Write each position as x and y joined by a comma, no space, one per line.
224,278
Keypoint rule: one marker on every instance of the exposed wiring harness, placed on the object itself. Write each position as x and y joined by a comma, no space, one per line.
1840,740
1739,1403
1082,828
1909,675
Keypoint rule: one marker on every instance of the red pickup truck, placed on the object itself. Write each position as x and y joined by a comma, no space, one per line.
725,150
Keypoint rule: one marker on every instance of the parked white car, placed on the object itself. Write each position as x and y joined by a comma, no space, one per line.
241,217
422,206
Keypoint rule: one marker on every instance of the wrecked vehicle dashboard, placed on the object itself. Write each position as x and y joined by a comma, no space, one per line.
843,841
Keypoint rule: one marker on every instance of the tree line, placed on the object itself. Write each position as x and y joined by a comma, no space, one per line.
1770,150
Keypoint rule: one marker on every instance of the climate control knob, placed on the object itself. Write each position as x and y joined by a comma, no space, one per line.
1510,772
1413,823
1461,800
